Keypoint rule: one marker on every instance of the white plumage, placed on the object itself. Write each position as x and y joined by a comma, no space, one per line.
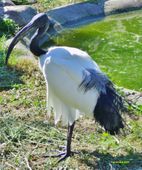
76,86
63,69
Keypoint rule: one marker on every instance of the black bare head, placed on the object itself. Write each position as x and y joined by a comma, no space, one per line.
39,21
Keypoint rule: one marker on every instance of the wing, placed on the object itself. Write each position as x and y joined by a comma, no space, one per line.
66,71
94,79
74,62
78,86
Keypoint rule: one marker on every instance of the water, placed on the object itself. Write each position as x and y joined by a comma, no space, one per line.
115,44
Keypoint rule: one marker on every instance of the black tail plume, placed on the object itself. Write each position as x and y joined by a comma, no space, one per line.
108,110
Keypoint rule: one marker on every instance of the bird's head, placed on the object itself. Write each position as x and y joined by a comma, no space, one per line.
38,21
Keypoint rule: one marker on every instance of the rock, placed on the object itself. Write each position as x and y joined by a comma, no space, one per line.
77,14
133,96
1,12
113,6
21,14
1,4
6,3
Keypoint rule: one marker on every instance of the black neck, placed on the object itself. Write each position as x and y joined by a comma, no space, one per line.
34,45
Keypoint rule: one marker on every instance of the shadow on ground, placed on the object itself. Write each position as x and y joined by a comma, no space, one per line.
9,77
131,161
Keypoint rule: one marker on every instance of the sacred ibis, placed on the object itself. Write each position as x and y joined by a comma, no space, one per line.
76,85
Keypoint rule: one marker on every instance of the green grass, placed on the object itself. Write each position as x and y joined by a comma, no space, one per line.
21,2
115,44
27,136
26,139
8,27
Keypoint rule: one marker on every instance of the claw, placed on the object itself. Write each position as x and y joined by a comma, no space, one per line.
63,155
66,155
60,153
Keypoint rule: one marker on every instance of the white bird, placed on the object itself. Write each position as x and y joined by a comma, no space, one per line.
76,85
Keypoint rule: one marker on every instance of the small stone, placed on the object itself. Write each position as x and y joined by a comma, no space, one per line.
112,6
133,96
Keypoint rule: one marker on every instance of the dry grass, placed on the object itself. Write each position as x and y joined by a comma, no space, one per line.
27,137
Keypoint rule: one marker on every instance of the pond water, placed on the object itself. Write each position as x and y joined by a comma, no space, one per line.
115,44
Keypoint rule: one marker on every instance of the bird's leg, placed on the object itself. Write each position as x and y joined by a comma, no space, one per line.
67,151
69,138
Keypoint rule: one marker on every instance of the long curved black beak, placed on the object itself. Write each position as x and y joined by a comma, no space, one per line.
37,21
15,40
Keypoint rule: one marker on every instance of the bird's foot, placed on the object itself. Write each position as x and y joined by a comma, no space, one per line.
66,155
63,155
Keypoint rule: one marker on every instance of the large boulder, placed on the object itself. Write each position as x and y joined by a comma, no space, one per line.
1,12
76,14
6,3
1,4
21,14
118,6
86,12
